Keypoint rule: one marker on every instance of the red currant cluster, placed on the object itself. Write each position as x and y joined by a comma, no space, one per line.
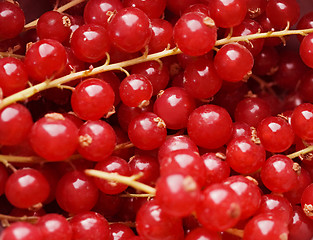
156,120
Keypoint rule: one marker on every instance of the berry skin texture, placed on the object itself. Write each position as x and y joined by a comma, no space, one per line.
54,25
89,226
174,106
54,137
95,11
178,194
219,208
21,231
147,131
45,59
152,223
97,140
210,126
130,29
73,197
135,90
233,62
306,50
12,20
90,43
302,121
54,227
278,174
26,188
265,226
276,134
227,13
13,75
15,124
195,33
307,201
92,99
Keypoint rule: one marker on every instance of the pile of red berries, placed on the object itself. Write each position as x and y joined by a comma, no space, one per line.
156,120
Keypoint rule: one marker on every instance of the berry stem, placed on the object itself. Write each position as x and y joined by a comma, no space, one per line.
235,232
9,54
301,152
60,9
130,181
30,219
26,93
141,195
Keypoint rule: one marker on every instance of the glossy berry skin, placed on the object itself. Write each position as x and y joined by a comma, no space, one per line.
304,179
265,226
90,43
245,156
178,194
21,231
112,164
233,62
147,131
202,233
248,193
162,33
278,174
217,169
54,25
219,208
26,187
73,197
174,107
305,22
152,223
201,80
195,33
153,8
135,90
95,11
184,161
12,20
13,75
226,13
54,137
89,226
146,165
130,29
302,121
45,59
54,227
301,227
97,140
306,50
276,134
15,124
209,126
276,205
119,231
126,114
282,11
307,201
173,143
247,27
92,99
157,74
252,111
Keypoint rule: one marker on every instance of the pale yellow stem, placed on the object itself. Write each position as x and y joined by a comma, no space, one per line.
121,179
301,152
